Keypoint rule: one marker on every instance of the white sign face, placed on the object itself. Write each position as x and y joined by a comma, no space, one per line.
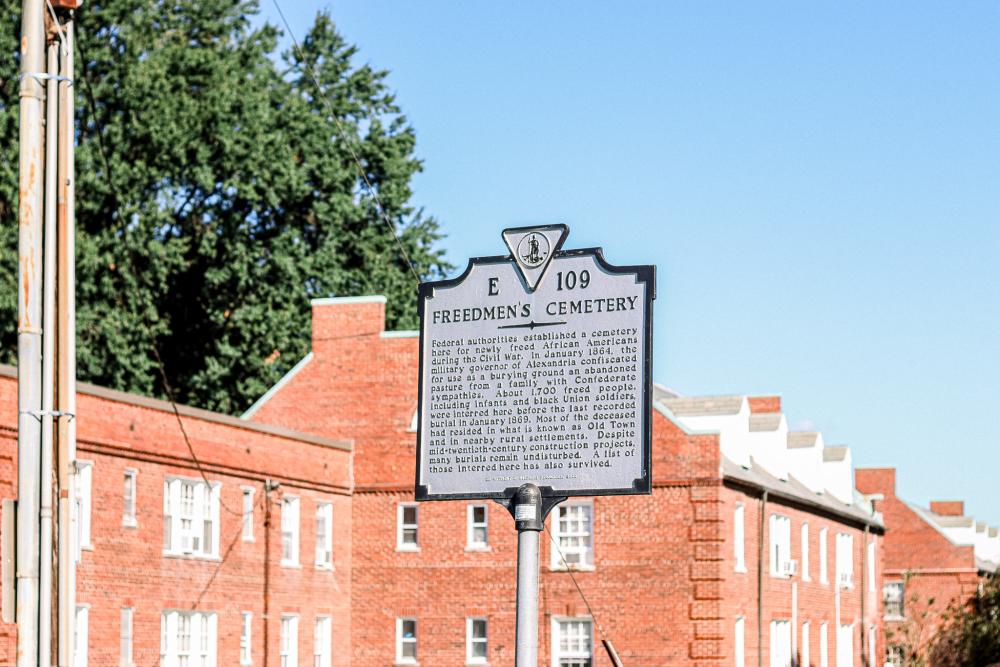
549,385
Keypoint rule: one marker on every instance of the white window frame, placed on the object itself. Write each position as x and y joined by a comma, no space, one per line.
901,585
246,638
824,645
471,641
322,641
824,577
288,641
570,656
125,636
739,642
401,528
471,543
247,507
739,537
81,635
894,655
780,645
780,541
173,488
845,645
291,530
130,486
844,564
401,640
84,504
804,555
872,638
202,637
804,657
324,539
585,551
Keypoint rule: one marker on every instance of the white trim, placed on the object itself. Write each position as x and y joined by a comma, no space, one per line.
470,528
400,660
400,334
129,520
470,641
278,386
344,300
400,544
557,561
246,530
291,505
555,650
246,630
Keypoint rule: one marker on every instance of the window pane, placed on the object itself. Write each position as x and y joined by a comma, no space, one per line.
409,515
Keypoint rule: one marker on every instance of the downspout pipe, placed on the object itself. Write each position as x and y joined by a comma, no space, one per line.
760,579
864,594
29,331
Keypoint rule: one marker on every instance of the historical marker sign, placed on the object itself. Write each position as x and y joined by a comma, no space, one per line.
535,368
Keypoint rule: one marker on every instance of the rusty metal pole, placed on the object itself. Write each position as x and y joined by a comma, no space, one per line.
66,356
29,331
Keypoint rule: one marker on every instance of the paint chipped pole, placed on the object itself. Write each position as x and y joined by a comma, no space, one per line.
29,331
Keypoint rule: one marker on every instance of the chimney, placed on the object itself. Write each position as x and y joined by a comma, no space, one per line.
870,481
337,320
948,507
764,404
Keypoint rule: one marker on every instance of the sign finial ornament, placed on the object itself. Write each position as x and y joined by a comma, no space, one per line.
533,248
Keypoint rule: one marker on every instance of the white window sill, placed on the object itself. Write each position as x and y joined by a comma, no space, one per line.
806,578
475,663
574,568
290,564
129,523
175,554
741,569
248,539
896,619
87,547
480,548
324,567
412,548
406,663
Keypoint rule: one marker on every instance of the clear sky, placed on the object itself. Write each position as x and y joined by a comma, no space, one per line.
817,183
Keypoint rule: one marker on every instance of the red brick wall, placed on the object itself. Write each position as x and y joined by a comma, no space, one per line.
127,566
948,507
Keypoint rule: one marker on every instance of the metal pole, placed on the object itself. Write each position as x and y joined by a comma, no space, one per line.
48,361
528,518
66,354
29,333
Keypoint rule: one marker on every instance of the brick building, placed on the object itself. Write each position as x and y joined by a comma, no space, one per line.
751,532
934,557
181,564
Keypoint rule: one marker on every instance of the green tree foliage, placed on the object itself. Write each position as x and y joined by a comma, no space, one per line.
216,195
970,636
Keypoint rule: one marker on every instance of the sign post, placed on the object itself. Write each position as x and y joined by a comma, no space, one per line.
535,385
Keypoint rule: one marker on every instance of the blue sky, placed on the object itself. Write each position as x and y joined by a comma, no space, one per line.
817,184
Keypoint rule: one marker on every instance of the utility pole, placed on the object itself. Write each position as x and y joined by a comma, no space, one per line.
29,327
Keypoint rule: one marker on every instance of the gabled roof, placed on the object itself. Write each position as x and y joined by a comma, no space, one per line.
661,392
703,406
765,421
835,453
795,491
801,439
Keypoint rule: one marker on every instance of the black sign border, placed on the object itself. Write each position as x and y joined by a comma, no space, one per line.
644,273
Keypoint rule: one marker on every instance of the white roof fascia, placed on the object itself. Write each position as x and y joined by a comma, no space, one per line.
285,379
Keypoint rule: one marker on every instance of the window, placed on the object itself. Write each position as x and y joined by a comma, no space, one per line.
571,531
125,638
406,640
845,560
572,643
190,518
845,646
84,493
871,645
406,528
805,552
289,641
188,639
781,545
322,641
871,567
246,636
781,644
739,639
804,650
894,655
247,514
290,531
823,577
739,543
80,636
324,536
128,498
824,647
477,535
475,641
893,596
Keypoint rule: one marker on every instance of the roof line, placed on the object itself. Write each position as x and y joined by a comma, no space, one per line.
277,386
922,513
197,413
400,334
